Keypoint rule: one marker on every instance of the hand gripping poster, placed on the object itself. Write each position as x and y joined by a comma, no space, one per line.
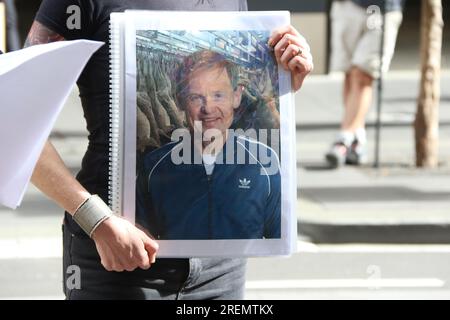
203,133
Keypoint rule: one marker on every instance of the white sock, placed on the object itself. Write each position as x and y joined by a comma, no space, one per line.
361,135
346,137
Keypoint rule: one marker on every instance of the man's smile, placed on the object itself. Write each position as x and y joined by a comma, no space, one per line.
209,120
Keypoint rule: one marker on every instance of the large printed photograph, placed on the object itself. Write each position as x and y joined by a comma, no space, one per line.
207,135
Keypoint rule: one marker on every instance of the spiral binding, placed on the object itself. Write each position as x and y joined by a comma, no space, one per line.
115,163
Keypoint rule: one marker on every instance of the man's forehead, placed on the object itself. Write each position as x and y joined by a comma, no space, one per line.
211,71
211,78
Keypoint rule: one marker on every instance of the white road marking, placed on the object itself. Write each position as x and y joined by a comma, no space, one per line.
33,248
345,283
308,247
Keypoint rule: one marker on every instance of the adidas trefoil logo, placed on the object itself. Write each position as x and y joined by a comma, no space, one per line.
244,183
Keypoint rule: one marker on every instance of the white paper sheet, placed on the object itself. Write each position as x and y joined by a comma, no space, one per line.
34,85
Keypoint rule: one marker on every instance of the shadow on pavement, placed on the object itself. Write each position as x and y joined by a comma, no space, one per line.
399,234
369,194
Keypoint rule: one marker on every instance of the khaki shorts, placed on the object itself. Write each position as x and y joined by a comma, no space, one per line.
353,43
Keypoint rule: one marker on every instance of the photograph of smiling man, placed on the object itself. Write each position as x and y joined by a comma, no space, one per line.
215,180
208,137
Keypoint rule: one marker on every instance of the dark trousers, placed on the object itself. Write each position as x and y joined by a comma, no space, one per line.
168,279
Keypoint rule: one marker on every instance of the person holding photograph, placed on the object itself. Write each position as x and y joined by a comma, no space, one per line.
113,255
229,193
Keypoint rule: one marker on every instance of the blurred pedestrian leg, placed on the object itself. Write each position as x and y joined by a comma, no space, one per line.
355,50
12,33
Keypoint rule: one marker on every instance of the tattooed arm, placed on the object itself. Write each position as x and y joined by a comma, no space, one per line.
121,245
40,34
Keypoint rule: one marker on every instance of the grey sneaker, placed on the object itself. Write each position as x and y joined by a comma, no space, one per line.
357,154
337,154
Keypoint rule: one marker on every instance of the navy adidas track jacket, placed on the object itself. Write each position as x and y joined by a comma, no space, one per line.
237,201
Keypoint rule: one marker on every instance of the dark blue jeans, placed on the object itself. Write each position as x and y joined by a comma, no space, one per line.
168,279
